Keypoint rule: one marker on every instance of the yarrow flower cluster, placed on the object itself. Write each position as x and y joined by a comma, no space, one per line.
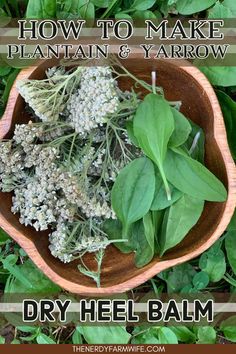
96,98
61,168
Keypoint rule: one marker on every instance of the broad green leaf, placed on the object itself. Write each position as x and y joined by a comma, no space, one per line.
228,327
182,129
178,220
189,7
220,75
122,16
143,237
230,245
184,334
144,335
5,70
192,178
133,192
167,336
178,277
130,131
3,237
153,126
142,5
86,9
160,201
232,224
41,9
27,329
228,107
10,80
113,229
77,338
206,335
44,339
219,11
145,15
213,262
2,340
102,3
29,279
200,280
104,334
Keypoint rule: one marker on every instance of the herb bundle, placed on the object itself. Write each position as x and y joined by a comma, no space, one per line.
98,165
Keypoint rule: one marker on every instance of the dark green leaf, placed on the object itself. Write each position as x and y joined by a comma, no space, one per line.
41,9
143,236
230,246
182,129
5,70
142,5
133,192
43,339
200,280
184,334
213,262
104,334
113,229
167,336
160,200
189,7
10,80
220,75
77,338
3,237
178,220
192,178
178,277
153,126
228,107
206,335
228,327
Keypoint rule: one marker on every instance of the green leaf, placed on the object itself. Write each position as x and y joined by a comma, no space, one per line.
86,9
160,201
206,335
178,277
122,16
77,338
144,335
104,334
5,70
43,339
113,229
143,236
232,224
10,80
153,126
182,129
213,262
184,334
29,279
219,11
130,131
27,329
133,192
178,220
167,336
200,280
189,7
41,9
192,178
102,3
220,75
145,15
230,246
2,340
3,237
142,5
228,107
228,327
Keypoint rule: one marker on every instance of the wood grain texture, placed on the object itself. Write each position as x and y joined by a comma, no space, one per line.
180,82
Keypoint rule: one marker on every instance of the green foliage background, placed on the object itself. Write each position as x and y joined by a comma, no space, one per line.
213,271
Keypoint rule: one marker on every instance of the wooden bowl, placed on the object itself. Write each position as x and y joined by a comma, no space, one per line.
199,102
